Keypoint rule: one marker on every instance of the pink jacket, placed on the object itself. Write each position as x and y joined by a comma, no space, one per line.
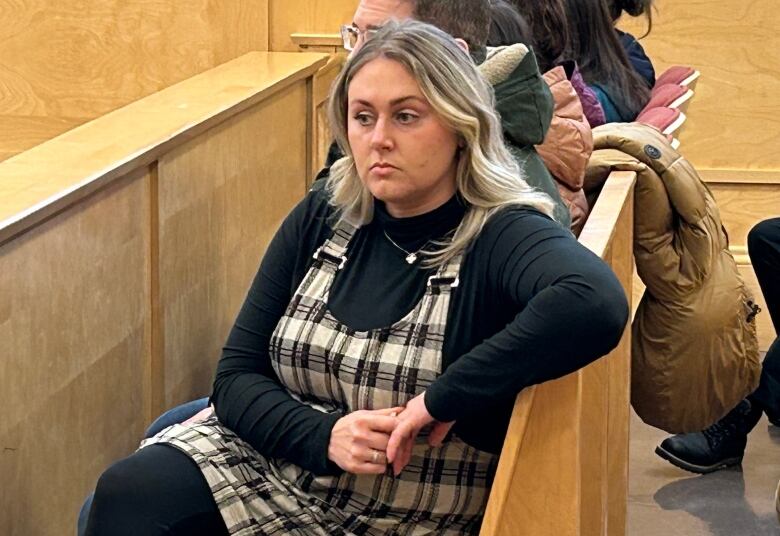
567,146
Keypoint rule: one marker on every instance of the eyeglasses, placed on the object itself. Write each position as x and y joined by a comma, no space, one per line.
352,35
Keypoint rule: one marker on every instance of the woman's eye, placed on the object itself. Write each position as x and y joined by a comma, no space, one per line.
363,119
405,117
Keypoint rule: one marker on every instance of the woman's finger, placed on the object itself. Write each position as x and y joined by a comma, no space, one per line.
401,432
439,432
375,440
404,456
380,423
392,412
367,468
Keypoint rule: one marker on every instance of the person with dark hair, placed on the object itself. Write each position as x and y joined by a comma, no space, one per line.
369,378
550,38
636,54
594,45
508,27
569,141
723,444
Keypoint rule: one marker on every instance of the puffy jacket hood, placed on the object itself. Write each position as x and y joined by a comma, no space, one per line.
523,99
694,347
568,145
525,105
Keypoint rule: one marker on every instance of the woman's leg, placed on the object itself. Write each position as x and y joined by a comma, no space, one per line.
158,490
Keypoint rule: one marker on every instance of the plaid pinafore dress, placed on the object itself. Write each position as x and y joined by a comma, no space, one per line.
327,365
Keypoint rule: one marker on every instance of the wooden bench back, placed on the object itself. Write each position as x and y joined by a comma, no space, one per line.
563,469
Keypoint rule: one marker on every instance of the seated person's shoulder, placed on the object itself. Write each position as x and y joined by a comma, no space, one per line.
516,224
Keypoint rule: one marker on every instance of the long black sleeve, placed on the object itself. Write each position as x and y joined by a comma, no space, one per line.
571,306
247,395
532,305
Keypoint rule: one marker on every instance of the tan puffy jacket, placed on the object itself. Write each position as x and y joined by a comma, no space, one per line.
567,146
694,349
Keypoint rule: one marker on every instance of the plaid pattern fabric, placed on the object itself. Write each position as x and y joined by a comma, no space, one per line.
331,367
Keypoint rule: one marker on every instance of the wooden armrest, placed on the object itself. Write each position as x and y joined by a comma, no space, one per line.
563,468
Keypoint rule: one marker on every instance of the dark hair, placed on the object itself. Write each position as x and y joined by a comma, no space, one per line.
549,30
634,8
467,19
601,58
507,26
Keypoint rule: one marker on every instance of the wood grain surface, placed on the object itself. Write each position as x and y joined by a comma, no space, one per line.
306,16
74,326
222,197
45,179
139,235
734,121
564,464
82,59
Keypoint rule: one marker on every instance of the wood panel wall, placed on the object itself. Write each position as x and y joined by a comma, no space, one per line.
222,197
116,299
76,337
65,62
306,16
733,118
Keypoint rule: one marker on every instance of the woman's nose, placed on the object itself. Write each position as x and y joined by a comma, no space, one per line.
381,137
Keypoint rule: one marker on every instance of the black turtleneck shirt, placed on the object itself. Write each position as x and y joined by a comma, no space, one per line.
532,305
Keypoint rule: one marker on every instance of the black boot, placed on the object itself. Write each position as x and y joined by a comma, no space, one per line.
721,445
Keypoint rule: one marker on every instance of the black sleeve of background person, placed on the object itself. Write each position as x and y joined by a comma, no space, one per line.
247,394
572,311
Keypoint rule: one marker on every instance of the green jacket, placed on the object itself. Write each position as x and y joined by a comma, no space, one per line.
525,104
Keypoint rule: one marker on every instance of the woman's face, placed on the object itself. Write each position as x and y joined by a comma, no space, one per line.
404,153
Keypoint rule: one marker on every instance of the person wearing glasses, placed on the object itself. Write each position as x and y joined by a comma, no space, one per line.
367,383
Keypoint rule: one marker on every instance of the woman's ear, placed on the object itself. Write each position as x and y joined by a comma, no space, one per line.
462,44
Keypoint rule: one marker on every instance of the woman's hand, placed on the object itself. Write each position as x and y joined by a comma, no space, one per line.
413,418
358,441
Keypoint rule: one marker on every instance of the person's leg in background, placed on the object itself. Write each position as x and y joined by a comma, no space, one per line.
157,491
723,444
172,416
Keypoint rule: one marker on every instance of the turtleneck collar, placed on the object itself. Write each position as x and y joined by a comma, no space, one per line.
414,231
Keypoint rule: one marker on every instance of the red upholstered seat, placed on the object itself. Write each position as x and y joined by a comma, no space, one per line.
677,74
667,120
665,95
670,95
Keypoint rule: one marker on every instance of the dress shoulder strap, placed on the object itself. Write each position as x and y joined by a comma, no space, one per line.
334,250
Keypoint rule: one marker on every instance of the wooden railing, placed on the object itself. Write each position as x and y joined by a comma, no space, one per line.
126,248
563,469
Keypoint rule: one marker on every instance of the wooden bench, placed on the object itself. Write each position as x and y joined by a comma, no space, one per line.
563,469
126,248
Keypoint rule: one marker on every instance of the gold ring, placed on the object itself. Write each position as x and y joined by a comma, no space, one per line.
375,457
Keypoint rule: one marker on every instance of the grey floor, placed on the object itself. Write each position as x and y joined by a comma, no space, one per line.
667,501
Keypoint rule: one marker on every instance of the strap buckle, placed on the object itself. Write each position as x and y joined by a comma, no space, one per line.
322,255
443,280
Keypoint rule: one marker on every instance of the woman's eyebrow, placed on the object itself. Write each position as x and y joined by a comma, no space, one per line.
393,102
402,99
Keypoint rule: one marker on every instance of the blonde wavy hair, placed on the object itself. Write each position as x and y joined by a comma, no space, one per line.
487,178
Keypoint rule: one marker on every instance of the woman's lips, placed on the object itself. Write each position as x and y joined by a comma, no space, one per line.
383,169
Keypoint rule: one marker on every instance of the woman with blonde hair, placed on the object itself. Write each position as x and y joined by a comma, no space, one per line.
367,383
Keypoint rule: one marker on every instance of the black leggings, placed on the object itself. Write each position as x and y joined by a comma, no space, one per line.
158,490
764,250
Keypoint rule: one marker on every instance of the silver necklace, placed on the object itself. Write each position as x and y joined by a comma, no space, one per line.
411,256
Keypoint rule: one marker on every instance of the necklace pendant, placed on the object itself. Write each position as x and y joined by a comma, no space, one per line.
411,258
